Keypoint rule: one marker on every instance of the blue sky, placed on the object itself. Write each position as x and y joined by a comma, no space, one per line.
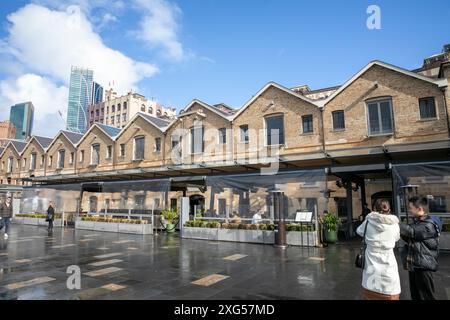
224,51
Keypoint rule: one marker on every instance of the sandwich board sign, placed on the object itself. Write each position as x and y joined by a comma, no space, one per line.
303,216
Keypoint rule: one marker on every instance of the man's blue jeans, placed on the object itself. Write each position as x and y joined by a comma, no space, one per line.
4,223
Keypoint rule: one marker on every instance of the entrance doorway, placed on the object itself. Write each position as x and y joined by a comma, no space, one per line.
196,202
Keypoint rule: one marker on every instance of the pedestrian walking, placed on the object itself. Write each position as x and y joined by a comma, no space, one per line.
380,229
421,251
50,216
6,211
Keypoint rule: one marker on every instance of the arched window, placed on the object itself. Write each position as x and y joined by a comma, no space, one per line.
158,112
143,108
113,109
150,110
124,106
118,107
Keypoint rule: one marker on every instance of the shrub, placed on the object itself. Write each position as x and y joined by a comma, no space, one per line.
214,224
169,215
242,226
331,222
263,227
253,227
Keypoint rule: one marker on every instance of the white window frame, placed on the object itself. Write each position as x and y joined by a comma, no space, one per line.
155,150
122,150
58,164
33,157
241,136
219,135
81,156
92,154
109,152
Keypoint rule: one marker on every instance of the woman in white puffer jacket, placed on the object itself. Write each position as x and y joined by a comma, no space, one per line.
380,279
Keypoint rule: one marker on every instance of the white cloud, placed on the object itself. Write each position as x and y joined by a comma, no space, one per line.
159,26
47,99
49,42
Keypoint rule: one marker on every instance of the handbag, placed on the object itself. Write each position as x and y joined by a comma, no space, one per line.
360,260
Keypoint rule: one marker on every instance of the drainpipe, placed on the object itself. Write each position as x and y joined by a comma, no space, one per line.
322,130
446,110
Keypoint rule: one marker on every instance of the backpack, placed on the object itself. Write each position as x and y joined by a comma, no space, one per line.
437,223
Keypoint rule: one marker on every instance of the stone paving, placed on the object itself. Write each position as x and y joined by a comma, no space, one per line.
33,265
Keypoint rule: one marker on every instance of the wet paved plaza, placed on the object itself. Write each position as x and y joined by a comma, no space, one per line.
33,265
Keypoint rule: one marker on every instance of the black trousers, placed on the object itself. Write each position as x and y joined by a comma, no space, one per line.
421,285
50,225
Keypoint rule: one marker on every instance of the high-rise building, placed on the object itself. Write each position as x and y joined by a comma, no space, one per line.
97,93
7,130
80,98
22,116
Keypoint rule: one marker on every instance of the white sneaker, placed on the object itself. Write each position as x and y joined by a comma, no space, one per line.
6,236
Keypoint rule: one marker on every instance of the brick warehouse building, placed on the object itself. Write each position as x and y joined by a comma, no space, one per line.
356,133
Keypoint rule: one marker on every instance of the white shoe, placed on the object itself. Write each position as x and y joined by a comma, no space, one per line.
6,236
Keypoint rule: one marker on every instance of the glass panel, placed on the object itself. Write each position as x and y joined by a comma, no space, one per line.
338,120
307,124
427,108
374,120
197,140
139,148
386,117
275,130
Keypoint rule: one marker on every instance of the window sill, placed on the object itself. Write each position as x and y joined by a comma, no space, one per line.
427,119
337,130
137,160
380,135
244,142
307,133
281,145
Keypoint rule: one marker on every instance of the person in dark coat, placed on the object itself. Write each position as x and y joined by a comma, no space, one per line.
6,212
50,216
421,251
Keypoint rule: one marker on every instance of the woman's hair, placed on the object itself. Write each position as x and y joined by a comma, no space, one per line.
382,205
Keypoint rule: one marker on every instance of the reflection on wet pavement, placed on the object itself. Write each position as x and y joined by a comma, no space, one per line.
33,265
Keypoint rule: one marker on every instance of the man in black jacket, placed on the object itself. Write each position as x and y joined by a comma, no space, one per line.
6,211
420,253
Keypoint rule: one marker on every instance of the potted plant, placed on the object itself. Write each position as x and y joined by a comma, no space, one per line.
169,216
331,222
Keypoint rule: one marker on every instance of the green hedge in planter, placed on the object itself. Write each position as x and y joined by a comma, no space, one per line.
36,215
231,226
446,228
299,227
114,220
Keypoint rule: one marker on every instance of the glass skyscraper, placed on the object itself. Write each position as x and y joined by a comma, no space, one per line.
80,97
97,93
22,116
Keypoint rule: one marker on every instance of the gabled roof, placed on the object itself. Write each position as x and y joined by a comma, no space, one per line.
209,107
110,132
73,137
381,64
43,142
159,124
18,146
266,87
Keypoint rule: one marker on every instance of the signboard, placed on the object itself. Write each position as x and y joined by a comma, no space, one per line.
303,216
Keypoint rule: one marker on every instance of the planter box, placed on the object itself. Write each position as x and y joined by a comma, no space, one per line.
84,225
236,235
106,226
444,241
135,228
294,238
114,227
268,237
200,233
36,221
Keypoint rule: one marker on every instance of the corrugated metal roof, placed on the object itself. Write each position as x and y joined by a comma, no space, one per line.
74,137
111,131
